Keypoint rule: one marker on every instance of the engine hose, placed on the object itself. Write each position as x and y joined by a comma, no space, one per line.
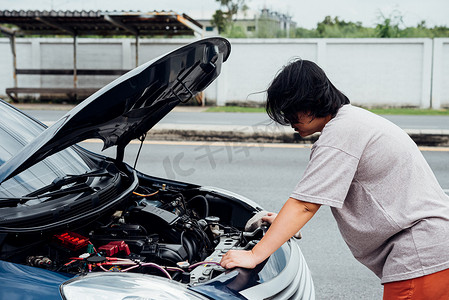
183,201
188,246
204,200
170,255
202,237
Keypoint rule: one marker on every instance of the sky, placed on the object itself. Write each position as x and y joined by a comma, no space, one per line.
306,13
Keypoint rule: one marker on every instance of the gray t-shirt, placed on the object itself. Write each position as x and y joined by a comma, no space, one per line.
390,209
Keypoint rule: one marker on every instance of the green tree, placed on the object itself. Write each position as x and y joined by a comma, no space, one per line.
440,31
219,20
421,30
223,19
388,27
235,32
336,28
305,33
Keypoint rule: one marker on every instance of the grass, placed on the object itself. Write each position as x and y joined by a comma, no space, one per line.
410,111
379,111
235,109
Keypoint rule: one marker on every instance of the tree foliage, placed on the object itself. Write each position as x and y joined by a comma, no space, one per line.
387,26
391,26
335,28
219,21
223,19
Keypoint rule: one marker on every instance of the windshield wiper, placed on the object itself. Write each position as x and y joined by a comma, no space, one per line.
77,188
68,179
52,190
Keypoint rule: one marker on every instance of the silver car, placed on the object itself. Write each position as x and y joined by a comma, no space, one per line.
78,225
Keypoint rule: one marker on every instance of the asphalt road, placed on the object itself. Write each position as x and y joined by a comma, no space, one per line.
405,122
251,119
267,173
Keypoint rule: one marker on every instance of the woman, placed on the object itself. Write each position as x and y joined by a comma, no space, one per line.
388,205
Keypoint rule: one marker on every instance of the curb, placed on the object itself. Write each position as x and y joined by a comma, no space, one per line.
268,134
432,138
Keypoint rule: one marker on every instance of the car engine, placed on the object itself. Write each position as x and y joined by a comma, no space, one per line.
179,234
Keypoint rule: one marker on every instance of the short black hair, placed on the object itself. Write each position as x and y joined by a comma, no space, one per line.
302,86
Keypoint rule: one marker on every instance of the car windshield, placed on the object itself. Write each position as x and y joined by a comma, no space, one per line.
16,130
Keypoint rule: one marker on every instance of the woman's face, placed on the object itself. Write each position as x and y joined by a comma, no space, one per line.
308,124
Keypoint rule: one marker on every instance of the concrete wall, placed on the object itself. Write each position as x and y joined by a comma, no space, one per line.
371,72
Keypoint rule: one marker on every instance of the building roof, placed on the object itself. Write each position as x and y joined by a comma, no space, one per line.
104,23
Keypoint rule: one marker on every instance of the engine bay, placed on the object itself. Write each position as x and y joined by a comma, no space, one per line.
175,232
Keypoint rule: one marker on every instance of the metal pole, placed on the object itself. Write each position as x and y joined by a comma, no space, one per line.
75,77
137,50
14,58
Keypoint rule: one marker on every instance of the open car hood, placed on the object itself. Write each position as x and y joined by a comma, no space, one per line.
129,106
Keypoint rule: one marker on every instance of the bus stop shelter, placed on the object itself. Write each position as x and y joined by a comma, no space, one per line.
87,23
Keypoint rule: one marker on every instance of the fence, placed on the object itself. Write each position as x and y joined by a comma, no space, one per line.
371,72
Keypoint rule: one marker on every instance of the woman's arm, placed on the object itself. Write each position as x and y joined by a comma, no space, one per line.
292,217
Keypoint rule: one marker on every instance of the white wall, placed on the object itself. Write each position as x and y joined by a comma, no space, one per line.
371,72
393,73
254,62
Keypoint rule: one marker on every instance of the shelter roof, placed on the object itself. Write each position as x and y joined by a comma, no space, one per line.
103,23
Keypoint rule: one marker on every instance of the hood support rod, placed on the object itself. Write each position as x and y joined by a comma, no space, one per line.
120,153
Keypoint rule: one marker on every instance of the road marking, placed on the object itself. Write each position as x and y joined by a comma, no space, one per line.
216,144
434,149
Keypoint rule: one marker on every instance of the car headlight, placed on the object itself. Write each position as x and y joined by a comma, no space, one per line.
129,286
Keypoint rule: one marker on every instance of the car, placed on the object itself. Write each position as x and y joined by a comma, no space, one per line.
75,224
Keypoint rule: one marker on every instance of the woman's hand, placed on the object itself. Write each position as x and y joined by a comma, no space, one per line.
292,217
269,217
239,258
